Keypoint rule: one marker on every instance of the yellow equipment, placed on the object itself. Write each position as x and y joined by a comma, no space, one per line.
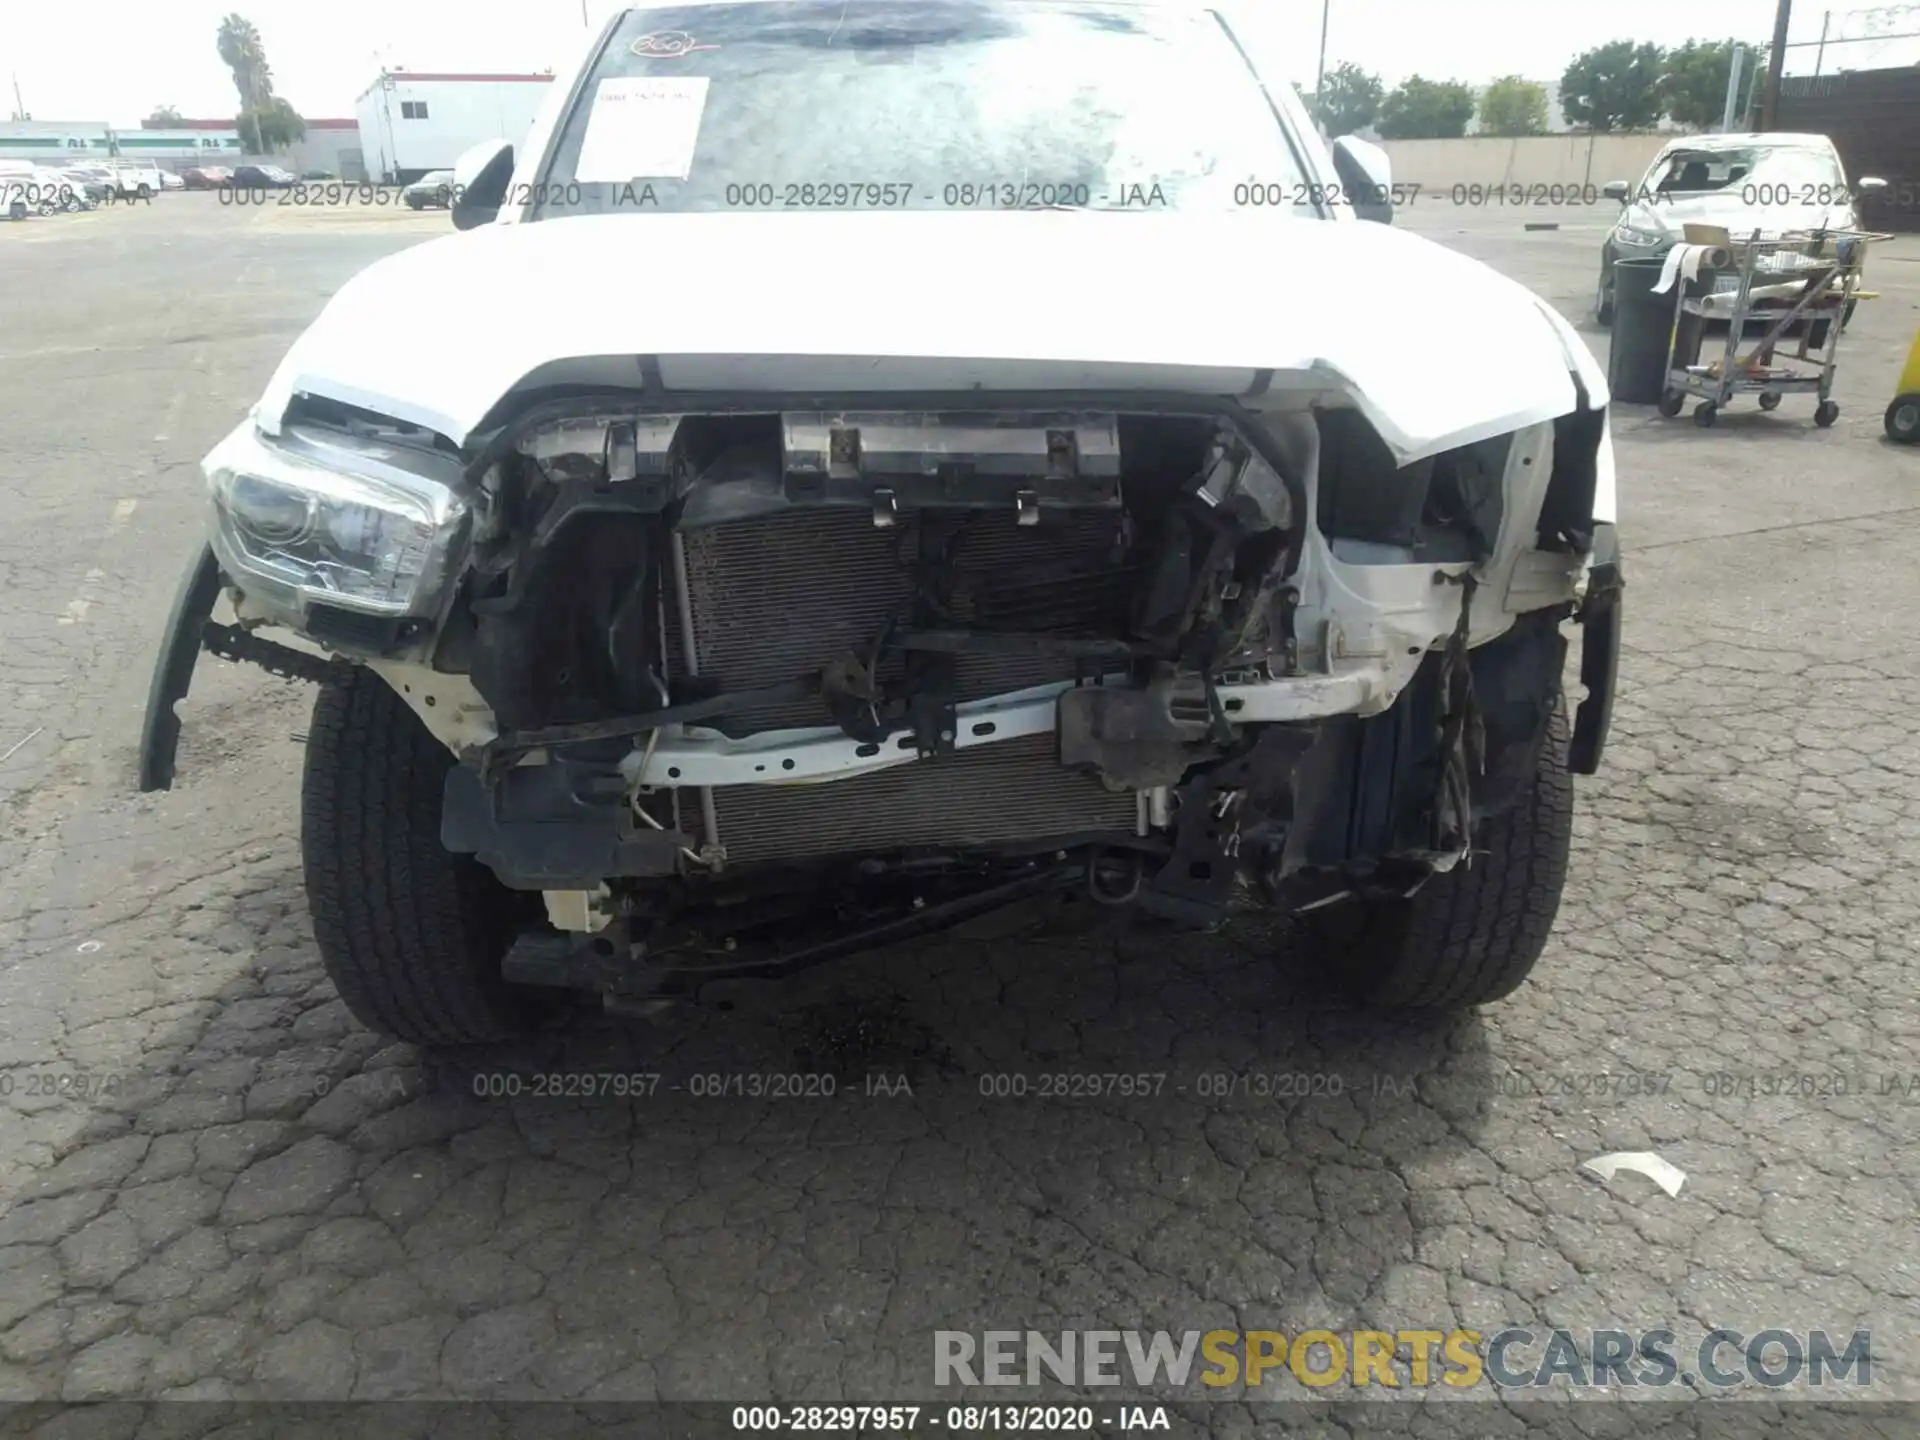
1903,415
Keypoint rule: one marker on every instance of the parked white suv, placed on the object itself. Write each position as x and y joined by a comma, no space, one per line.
138,181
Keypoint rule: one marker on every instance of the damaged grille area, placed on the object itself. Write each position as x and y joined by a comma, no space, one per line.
980,796
865,572
783,596
776,598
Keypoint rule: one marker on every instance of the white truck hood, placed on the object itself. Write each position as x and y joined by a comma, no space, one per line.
1436,349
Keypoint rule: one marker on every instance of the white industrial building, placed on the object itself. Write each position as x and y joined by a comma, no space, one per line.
412,122
67,142
53,142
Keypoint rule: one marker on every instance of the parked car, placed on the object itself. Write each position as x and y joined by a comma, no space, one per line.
207,177
262,177
318,175
98,173
137,182
1772,183
15,203
170,181
434,189
686,632
55,192
96,184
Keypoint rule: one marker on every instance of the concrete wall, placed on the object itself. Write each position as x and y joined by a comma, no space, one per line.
1439,165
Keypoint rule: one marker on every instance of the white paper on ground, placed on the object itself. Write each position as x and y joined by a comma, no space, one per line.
1664,1173
642,127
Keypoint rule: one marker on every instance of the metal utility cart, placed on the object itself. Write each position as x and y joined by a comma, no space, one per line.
1810,280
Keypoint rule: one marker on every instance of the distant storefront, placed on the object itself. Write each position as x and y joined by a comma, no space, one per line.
53,142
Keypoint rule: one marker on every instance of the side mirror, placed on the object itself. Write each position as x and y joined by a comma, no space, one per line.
480,183
1615,190
1366,174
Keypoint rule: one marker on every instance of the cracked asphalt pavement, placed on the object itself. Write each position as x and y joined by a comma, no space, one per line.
213,1184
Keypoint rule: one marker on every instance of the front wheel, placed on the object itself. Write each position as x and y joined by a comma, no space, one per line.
1603,296
411,934
1825,413
1473,934
1672,402
1903,420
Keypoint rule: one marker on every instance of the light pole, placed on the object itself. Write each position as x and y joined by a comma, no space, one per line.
1733,88
1320,70
1776,63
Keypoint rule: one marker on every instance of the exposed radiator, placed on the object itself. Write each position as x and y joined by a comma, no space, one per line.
1011,791
779,598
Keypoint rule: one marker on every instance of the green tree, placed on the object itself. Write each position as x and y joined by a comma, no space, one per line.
1349,99
1693,83
279,125
164,117
1613,87
1424,109
1513,106
242,53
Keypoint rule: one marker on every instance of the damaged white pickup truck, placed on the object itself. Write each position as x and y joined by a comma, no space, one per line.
863,463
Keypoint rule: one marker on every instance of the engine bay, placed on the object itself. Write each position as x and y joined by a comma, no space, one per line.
867,571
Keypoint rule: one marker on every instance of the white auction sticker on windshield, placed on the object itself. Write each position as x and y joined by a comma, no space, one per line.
642,127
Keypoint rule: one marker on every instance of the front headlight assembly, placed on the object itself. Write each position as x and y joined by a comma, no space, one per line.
314,516
1628,235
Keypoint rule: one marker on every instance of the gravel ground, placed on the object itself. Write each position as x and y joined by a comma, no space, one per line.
213,1184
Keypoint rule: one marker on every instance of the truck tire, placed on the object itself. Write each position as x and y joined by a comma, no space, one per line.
1471,935
411,934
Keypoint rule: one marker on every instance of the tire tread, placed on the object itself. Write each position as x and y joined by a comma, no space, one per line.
1473,935
411,934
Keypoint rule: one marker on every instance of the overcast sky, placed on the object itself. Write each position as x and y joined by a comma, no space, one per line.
115,60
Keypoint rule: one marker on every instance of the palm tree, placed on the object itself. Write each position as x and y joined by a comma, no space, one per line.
243,54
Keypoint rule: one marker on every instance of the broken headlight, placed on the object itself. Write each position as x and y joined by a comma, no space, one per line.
316,516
